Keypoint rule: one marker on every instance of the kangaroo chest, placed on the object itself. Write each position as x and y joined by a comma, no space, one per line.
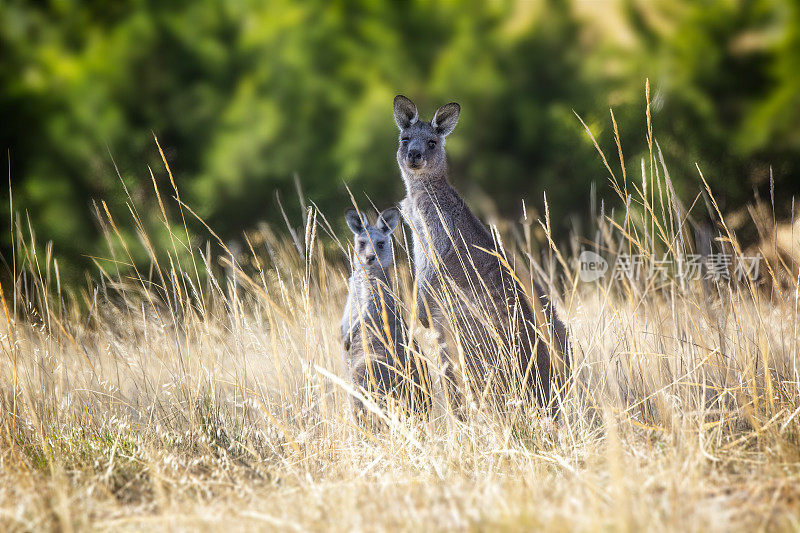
449,243
433,231
374,311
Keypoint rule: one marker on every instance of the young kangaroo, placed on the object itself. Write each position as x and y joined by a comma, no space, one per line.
463,286
372,330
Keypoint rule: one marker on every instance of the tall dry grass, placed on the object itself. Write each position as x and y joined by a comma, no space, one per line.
202,390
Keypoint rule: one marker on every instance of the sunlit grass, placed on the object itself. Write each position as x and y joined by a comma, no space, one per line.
206,389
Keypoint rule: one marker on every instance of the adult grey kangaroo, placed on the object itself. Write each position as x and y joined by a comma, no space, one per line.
373,334
480,311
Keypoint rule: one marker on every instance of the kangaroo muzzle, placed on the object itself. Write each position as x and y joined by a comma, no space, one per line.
414,159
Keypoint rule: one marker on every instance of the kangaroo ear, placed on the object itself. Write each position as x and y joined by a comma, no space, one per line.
446,118
405,112
355,222
388,220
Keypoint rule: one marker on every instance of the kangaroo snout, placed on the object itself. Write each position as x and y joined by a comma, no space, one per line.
414,159
371,259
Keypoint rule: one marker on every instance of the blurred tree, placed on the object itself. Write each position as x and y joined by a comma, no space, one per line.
725,81
245,95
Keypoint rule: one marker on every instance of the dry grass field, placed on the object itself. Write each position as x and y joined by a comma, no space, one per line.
192,394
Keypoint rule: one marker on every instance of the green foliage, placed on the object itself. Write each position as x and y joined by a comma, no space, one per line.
724,91
245,95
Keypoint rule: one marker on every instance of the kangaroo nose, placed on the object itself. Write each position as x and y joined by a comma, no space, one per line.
370,259
414,156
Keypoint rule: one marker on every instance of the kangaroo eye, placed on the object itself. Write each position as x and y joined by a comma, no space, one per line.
431,144
404,140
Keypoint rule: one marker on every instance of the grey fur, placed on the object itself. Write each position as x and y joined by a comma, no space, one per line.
372,330
457,279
